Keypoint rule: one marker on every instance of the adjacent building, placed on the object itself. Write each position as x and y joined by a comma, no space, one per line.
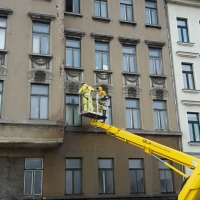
48,48
184,33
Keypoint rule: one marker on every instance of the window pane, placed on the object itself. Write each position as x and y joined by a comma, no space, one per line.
28,182
76,6
135,163
126,1
69,57
36,43
2,38
105,163
0,102
147,13
169,181
136,118
132,64
43,107
72,99
101,47
185,81
150,4
152,66
69,186
180,35
154,52
125,63
192,117
159,104
77,182
190,80
128,50
154,16
42,28
191,132
98,60
96,8
77,58
158,66
103,9
69,115
131,103
109,116
72,43
122,12
133,181
34,107
196,130
185,35
77,118
129,118
73,163
129,13
156,120
69,5
101,181
162,181
38,182
105,61
39,89
163,120
109,181
140,181
181,22
186,67
45,44
3,22
33,163
1,86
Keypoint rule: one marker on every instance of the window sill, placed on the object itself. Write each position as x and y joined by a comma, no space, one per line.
191,91
74,68
133,23
102,19
41,55
103,71
190,103
131,73
189,44
187,54
73,14
3,51
153,26
194,143
156,75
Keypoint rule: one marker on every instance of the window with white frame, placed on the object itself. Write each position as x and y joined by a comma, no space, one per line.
100,8
73,6
126,10
39,101
129,59
33,176
166,179
136,171
73,52
102,56
193,125
72,110
2,32
160,115
1,96
188,78
155,61
41,32
151,12
132,113
106,176
73,176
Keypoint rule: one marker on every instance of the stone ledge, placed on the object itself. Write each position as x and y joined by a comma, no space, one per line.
102,19
41,16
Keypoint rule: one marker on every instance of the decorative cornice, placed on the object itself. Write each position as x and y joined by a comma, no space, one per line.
74,33
41,16
187,54
129,40
102,37
5,11
190,103
155,43
194,3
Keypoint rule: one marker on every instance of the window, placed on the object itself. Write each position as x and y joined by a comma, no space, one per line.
72,110
160,115
129,59
101,53
193,125
136,171
1,93
151,12
109,112
40,38
33,176
106,176
39,101
100,8
132,114
2,33
188,78
155,61
166,180
72,53
126,10
72,6
182,30
73,175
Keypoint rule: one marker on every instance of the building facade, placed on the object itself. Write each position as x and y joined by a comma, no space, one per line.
48,150
184,30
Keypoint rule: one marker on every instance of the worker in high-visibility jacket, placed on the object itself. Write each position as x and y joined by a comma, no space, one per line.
85,91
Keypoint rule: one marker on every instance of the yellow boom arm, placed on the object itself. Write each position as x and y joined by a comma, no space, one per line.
191,189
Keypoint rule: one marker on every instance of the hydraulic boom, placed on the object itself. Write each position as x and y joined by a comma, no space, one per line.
191,189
